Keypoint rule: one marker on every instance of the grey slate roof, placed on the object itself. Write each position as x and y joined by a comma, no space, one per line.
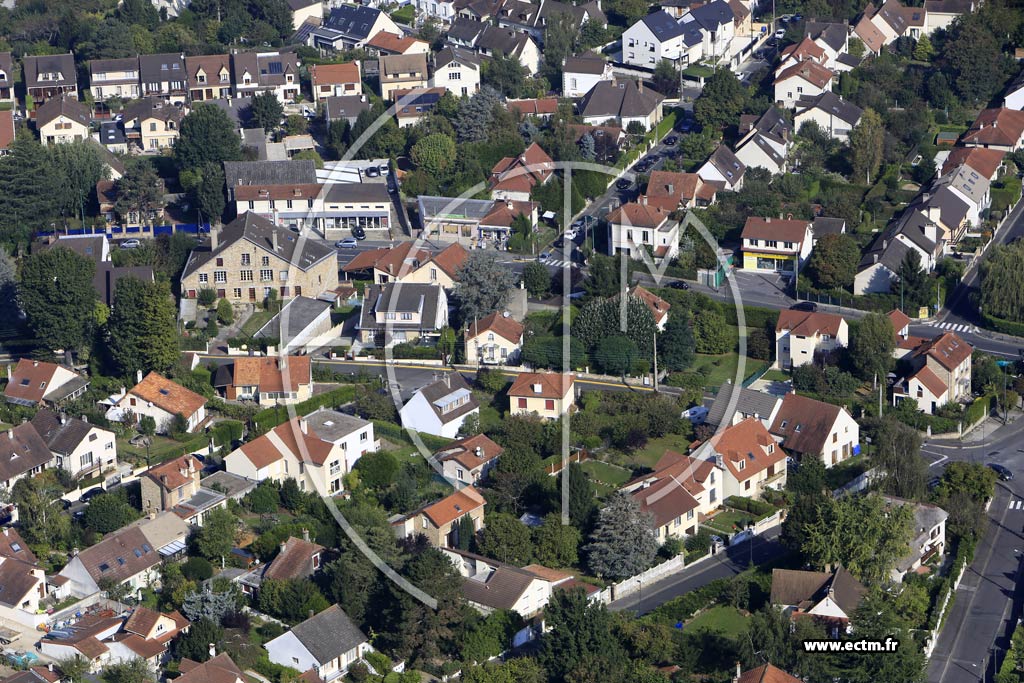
352,21
823,225
952,208
832,104
6,70
614,99
60,437
66,105
663,25
587,63
301,172
22,449
447,385
450,54
431,208
725,161
329,635
238,109
501,589
100,66
259,231
62,64
297,314
357,192
330,425
886,250
805,589
162,67
345,107
111,134
748,403
846,59
712,15
407,297
831,33
503,40
465,31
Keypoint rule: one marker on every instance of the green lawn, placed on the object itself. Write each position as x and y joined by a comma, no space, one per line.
776,376
162,448
255,322
718,369
650,454
605,473
726,521
726,621
404,15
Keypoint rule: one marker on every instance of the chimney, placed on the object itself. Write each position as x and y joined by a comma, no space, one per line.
305,535
85,419
35,364
310,614
214,238
789,216
282,546
213,650
273,237
163,479
49,667
6,531
303,425
874,258
739,672
10,434
9,373
63,419
138,376
640,85
74,552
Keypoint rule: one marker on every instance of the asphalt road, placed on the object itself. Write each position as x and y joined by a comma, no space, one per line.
976,626
728,562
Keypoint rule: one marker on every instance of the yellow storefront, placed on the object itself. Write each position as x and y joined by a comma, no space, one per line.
758,260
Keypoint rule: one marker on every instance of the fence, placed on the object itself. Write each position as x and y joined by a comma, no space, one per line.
143,230
554,468
857,484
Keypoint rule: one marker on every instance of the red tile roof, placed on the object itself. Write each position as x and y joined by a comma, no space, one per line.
167,395
812,72
501,324
1003,127
6,128
747,442
267,374
658,306
984,161
550,385
805,49
783,230
899,320
534,107
263,451
766,673
948,349
451,508
390,42
521,173
668,190
175,473
808,324
334,74
295,561
804,423
638,216
464,451
930,381
30,380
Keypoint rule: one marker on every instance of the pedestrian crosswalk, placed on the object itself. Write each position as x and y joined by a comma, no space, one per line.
1016,505
954,327
558,263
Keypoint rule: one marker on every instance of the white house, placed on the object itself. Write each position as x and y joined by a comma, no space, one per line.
441,407
583,72
778,245
320,448
441,9
490,585
833,115
724,168
496,338
635,228
939,14
625,101
929,538
807,428
659,36
163,400
800,335
457,70
767,142
1013,97
803,79
748,457
77,446
125,557
716,23
328,643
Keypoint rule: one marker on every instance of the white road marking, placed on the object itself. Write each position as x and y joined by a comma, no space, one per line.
942,459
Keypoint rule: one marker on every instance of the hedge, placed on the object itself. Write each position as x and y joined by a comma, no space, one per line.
964,556
1002,325
978,409
758,508
408,351
227,432
271,417
753,316
396,432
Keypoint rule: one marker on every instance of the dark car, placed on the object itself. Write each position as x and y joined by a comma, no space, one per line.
372,172
671,140
808,306
1004,473
679,284
92,493
358,232
623,184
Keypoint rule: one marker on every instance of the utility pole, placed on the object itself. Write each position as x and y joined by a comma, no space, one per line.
654,346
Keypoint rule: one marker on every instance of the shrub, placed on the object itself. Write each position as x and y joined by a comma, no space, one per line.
206,297
700,541
225,314
197,569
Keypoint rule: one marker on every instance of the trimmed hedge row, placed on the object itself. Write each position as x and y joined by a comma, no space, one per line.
758,508
1003,325
753,316
396,432
978,409
272,417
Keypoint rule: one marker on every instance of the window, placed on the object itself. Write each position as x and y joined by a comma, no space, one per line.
265,261
407,316
246,259
252,205
93,437
549,404
85,460
741,465
237,292
245,276
433,274
335,467
220,262
459,473
522,403
746,485
689,514
363,436
772,244
266,275
454,76
220,276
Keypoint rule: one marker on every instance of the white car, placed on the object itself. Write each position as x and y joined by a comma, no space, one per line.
347,243
571,233
780,34
131,244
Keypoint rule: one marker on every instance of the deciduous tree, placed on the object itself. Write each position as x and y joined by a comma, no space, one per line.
867,146
871,344
833,262
57,295
484,285
143,336
267,111
434,153
721,101
507,539
207,136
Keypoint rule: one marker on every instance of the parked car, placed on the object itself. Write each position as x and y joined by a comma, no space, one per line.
780,34
347,243
696,415
131,244
671,140
1003,473
808,306
623,184
384,169
571,233
544,256
679,284
372,172
92,493
358,232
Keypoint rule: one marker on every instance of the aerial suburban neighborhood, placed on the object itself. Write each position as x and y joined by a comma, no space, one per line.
511,341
